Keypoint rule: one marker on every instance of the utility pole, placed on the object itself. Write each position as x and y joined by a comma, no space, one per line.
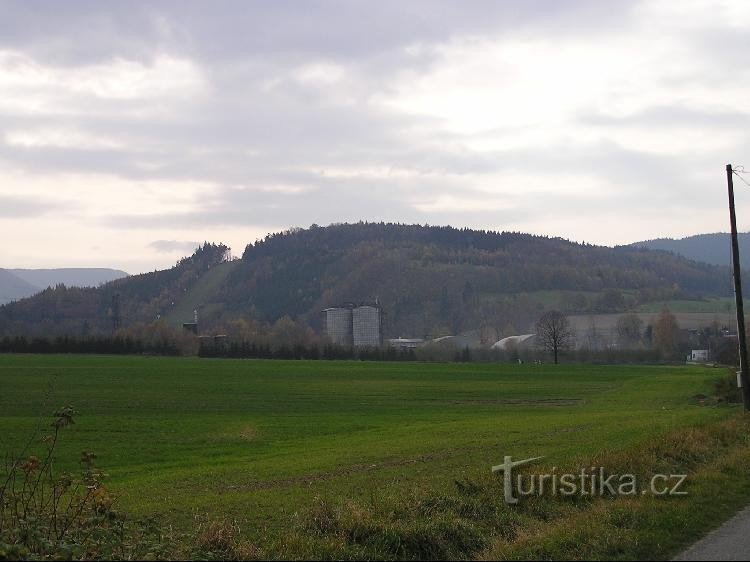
744,369
116,319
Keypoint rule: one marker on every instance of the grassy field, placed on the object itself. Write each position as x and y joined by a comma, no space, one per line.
265,442
718,305
606,324
200,294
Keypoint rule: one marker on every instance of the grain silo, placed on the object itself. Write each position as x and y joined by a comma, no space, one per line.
366,326
338,325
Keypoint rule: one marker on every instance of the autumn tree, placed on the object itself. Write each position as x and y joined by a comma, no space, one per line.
554,332
666,333
286,333
629,329
244,330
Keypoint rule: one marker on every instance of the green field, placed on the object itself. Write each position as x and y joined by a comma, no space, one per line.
200,296
261,441
718,305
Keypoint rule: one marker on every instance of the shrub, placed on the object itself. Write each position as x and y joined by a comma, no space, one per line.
49,515
726,390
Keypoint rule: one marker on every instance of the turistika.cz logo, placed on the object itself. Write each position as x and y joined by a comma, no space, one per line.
590,481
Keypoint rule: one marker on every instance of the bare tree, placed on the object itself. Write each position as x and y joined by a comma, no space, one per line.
554,333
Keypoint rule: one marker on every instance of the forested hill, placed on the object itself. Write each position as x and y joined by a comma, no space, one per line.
428,280
709,248
89,310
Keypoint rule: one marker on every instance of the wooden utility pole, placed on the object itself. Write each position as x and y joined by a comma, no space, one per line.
744,368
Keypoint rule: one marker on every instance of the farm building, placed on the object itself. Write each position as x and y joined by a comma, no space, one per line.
406,343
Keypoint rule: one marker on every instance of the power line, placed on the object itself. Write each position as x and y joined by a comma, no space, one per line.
737,170
739,177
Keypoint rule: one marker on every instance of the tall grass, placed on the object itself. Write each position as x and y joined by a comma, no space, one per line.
472,521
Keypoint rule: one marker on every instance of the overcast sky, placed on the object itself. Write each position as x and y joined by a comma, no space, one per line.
129,131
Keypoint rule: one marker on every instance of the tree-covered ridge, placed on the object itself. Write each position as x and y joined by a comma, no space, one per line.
429,280
411,266
81,311
530,262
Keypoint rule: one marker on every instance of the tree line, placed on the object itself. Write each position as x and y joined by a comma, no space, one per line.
661,341
108,345
210,347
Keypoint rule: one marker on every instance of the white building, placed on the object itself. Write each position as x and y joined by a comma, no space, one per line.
699,355
405,343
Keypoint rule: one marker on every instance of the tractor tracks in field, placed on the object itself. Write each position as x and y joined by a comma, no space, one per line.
313,478
517,402
309,479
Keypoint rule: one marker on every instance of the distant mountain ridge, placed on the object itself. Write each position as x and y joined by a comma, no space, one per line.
13,287
69,276
711,248
21,283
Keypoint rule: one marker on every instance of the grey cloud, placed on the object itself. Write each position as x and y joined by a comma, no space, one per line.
171,246
324,201
672,116
249,138
90,30
329,200
22,207
241,133
61,159
257,207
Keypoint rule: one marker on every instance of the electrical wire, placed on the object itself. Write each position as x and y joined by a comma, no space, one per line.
743,180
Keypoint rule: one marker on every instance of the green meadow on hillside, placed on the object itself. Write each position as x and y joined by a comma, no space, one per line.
264,442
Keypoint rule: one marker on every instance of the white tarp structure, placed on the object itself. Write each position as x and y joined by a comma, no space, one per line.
514,341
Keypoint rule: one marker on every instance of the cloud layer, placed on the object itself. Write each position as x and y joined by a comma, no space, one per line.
127,126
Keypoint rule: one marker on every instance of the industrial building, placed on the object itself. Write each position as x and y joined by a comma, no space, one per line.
406,343
337,323
358,326
192,326
366,326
